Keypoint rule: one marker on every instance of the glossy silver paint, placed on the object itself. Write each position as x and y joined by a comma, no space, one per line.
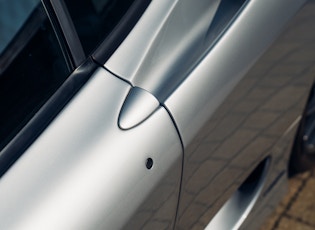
138,106
226,63
84,172
88,169
167,39
258,119
221,147
236,209
169,55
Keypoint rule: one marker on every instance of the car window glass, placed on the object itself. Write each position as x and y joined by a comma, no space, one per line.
12,16
32,65
95,19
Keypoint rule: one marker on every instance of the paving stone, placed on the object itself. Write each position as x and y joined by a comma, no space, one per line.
270,223
300,215
295,185
304,207
303,176
291,224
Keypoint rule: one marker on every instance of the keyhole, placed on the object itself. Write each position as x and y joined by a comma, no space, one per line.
149,163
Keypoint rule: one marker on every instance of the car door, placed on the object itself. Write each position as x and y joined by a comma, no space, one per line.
193,56
140,134
98,154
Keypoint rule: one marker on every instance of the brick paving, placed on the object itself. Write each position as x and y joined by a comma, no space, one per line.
297,210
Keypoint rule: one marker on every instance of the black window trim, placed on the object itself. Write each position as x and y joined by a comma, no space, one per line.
120,32
65,31
32,130
69,40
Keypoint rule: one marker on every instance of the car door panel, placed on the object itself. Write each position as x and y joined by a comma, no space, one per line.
257,119
194,82
167,39
173,128
225,64
85,172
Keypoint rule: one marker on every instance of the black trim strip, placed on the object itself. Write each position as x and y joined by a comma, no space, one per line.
45,115
65,31
129,20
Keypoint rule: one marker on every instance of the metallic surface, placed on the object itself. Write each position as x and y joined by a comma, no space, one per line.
236,209
226,63
258,118
138,106
166,41
84,172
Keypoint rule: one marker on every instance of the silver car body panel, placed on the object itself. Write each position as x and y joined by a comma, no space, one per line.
236,209
258,119
88,168
84,172
226,63
168,37
168,55
138,106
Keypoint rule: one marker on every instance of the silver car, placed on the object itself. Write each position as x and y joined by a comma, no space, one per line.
162,114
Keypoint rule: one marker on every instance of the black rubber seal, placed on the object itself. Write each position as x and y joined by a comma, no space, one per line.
111,43
45,115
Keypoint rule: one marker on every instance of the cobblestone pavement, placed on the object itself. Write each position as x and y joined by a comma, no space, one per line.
297,209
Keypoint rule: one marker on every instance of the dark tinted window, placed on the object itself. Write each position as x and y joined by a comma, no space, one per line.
95,19
32,66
